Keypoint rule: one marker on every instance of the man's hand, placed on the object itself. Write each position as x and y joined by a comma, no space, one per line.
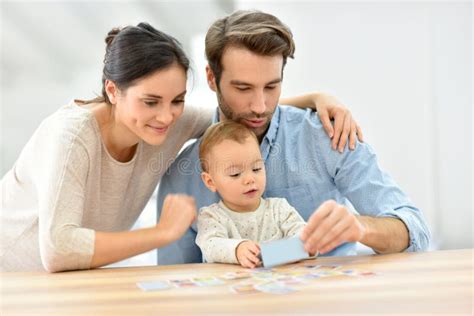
329,226
247,254
345,126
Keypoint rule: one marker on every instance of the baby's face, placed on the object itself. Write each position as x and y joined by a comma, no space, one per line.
238,173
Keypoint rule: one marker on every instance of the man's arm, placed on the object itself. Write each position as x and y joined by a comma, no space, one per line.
389,221
328,108
384,235
332,224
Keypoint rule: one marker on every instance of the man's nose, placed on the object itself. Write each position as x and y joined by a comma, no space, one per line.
258,105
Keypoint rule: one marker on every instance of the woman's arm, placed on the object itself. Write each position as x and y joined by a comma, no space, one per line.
179,211
329,108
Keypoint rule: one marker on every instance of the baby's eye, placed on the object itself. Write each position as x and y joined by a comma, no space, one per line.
235,175
256,169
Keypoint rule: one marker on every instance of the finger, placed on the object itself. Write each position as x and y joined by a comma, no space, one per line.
318,215
333,244
253,249
352,136
338,124
248,263
252,258
345,132
334,233
325,120
313,242
359,134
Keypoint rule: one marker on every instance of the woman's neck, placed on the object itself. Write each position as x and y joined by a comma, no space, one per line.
119,141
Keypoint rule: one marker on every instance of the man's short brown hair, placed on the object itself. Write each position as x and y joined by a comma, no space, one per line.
259,32
217,133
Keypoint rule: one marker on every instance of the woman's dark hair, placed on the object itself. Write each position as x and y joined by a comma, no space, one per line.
134,52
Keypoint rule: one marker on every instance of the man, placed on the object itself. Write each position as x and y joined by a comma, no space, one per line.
345,197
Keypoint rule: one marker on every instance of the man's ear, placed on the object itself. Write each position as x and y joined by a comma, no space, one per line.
211,79
111,90
208,182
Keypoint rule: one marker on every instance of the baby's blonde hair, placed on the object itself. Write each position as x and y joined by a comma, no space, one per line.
219,132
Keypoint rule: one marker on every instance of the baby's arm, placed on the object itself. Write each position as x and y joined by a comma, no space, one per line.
213,238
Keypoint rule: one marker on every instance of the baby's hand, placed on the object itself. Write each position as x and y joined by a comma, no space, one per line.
247,254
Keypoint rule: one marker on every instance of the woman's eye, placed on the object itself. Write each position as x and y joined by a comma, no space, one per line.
178,102
270,87
150,103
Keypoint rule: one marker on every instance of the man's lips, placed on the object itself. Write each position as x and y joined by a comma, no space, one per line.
255,122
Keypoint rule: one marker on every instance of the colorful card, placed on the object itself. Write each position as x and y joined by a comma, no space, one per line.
183,283
275,288
208,281
154,285
244,288
236,275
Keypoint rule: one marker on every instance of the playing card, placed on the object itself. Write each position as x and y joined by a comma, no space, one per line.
154,285
207,281
275,288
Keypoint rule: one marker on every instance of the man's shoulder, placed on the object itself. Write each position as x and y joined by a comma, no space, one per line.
294,117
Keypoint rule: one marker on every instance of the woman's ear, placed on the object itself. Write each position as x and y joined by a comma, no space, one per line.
211,79
208,182
111,90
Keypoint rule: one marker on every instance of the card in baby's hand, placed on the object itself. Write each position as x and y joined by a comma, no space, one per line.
282,251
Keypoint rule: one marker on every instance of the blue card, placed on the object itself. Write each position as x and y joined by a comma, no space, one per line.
283,251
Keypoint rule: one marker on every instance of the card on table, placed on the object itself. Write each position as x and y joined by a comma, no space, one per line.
154,285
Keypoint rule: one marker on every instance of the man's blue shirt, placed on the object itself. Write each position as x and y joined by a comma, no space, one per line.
301,167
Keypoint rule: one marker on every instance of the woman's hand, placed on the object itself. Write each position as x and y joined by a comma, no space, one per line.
328,108
177,214
345,126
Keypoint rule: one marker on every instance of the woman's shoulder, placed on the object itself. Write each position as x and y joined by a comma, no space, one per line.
71,121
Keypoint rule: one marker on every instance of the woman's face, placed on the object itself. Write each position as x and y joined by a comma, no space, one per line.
152,105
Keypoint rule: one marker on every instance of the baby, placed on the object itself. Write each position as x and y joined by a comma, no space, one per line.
229,231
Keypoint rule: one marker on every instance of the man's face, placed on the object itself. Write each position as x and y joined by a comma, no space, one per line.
249,88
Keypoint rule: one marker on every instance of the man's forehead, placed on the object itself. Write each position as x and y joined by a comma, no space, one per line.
242,63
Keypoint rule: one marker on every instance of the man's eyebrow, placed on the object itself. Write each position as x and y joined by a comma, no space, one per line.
243,83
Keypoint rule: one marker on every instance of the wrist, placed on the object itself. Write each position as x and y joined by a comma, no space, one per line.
164,234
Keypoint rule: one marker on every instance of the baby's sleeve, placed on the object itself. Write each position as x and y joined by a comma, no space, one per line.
213,237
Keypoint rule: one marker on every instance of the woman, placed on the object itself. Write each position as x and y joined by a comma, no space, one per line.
86,174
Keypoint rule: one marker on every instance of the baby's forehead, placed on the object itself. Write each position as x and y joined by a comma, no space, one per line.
234,153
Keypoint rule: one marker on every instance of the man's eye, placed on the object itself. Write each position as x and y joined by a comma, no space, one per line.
242,88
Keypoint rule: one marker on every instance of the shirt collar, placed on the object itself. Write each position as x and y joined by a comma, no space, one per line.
271,134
